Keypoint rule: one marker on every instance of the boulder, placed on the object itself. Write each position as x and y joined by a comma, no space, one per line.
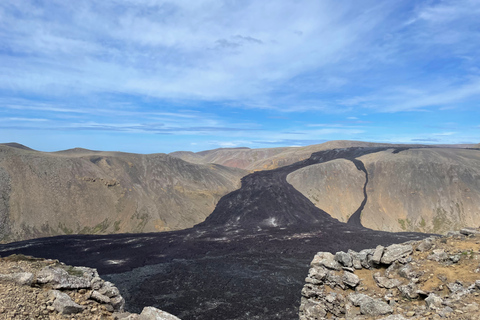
370,306
326,259
58,278
409,291
395,252
108,289
425,245
384,282
350,279
377,255
20,278
344,259
364,257
64,304
117,303
97,296
433,301
355,259
151,313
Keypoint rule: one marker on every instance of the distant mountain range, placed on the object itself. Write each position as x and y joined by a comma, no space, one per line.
415,188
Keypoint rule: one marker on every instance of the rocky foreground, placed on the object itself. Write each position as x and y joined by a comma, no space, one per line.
435,278
34,288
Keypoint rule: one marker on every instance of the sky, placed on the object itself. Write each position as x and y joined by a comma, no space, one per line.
150,76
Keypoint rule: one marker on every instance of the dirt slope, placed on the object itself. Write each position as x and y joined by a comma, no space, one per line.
82,191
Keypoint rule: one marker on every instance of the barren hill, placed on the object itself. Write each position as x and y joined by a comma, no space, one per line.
83,191
427,189
265,158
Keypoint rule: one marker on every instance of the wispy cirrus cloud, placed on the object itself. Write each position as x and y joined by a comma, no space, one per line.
287,69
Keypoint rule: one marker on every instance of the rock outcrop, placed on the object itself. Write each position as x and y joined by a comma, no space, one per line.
435,278
88,192
33,288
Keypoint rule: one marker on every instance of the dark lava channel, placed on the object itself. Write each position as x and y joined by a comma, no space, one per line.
248,260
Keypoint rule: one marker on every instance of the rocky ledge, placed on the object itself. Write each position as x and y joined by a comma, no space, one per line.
34,288
436,278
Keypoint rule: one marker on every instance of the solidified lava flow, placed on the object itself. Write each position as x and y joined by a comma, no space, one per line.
247,260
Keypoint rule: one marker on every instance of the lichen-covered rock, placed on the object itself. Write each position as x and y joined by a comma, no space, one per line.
58,278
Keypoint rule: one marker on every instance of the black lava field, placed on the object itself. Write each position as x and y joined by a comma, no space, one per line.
247,260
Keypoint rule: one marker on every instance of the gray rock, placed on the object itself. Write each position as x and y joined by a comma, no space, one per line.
311,290
63,303
438,255
355,259
58,278
88,273
394,317
377,255
364,257
310,310
117,303
316,275
395,252
477,283
433,301
384,282
408,272
97,296
425,245
151,313
20,278
325,259
455,287
125,316
344,259
369,306
96,283
455,258
108,289
350,279
409,291
334,280
469,231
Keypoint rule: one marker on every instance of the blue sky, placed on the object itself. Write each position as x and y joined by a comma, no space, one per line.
156,76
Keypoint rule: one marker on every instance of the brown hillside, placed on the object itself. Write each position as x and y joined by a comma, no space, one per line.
82,191
427,190
265,158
